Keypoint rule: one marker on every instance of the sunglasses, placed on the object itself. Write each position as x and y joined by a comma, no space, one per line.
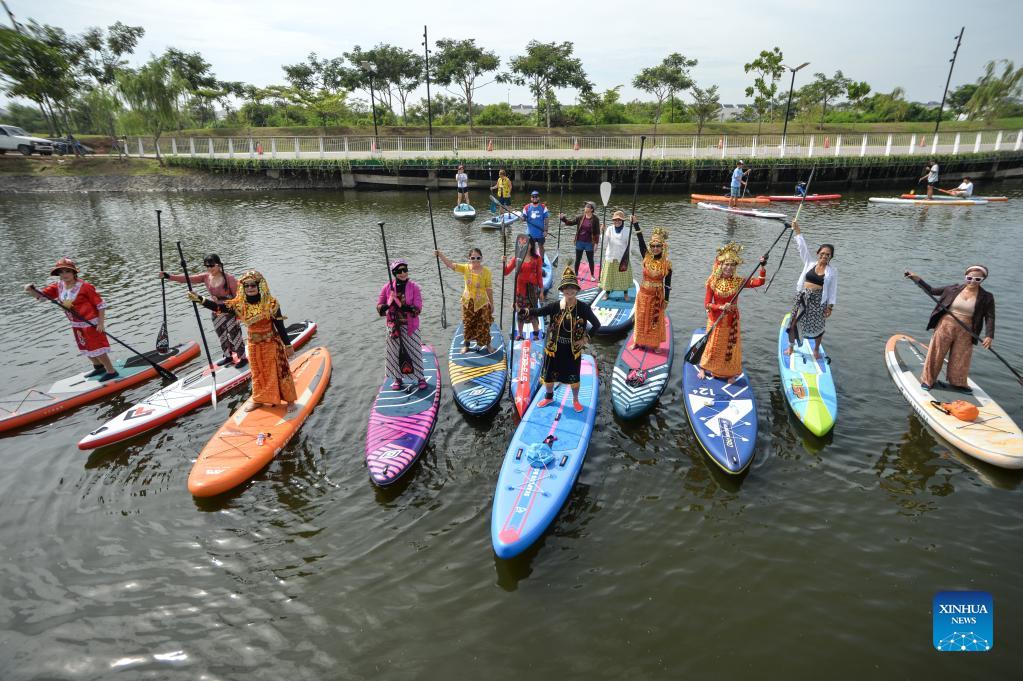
401,270
250,285
824,255
655,245
977,279
475,257
62,271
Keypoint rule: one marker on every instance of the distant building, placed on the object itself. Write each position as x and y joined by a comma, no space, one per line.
729,112
524,109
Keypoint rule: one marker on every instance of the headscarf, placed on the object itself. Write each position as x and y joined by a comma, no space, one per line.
250,313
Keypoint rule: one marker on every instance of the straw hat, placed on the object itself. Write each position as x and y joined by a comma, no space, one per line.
618,215
64,264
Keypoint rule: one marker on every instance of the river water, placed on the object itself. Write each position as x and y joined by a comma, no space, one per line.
821,562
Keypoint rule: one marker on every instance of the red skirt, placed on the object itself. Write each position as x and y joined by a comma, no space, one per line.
91,342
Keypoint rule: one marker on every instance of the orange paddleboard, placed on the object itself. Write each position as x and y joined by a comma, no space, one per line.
714,198
249,440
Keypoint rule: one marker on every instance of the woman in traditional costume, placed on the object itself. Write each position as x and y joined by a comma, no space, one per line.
81,297
528,287
401,301
222,287
268,345
477,299
616,245
722,357
566,338
652,298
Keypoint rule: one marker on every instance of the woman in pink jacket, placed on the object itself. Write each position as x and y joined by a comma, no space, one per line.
400,302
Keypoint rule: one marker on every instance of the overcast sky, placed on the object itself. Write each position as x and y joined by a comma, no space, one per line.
888,43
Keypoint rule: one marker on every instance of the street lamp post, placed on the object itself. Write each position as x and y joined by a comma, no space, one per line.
371,69
959,41
792,84
429,112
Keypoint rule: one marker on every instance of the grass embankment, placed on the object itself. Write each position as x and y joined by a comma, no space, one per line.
86,166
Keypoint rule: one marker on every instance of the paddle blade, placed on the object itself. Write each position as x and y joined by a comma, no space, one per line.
213,390
162,340
695,353
605,192
624,264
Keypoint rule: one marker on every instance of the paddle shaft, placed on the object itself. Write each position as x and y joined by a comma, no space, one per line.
440,277
789,225
511,325
624,264
561,206
1019,377
165,373
198,320
162,339
504,257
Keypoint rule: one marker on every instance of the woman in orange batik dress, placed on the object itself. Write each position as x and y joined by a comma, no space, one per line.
654,290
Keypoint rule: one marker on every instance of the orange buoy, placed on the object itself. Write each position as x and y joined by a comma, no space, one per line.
721,142
923,140
827,142
576,147
490,145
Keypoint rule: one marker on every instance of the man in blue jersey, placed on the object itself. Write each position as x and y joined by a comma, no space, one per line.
535,215
737,182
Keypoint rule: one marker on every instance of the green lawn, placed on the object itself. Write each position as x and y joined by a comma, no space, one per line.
69,166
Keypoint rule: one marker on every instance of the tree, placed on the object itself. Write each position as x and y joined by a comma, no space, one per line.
765,85
606,109
544,67
665,79
152,92
826,89
462,62
706,105
500,114
857,92
960,97
995,93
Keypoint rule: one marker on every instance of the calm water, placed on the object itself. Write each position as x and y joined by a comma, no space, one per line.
824,557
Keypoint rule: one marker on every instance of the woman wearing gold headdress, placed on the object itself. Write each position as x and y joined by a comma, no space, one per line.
566,338
654,289
722,357
268,346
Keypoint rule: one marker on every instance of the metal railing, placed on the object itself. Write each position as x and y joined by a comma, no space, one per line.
815,145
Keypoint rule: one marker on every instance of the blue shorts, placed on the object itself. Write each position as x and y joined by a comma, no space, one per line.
462,190
584,246
736,192
538,239
504,201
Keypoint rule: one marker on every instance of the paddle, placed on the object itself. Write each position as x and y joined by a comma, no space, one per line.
624,264
433,230
1019,377
490,179
520,253
561,205
695,353
605,196
202,332
789,225
504,256
162,339
745,183
164,373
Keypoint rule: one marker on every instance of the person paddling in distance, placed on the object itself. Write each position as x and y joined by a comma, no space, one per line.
566,338
722,357
477,299
81,297
221,287
587,235
400,302
738,182
964,190
536,214
816,293
652,298
931,175
616,244
462,182
968,303
503,188
268,344
528,288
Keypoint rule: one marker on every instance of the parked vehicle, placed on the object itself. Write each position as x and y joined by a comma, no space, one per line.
63,145
13,138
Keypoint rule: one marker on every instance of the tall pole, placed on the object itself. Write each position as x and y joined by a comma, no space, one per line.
369,69
959,41
788,106
429,106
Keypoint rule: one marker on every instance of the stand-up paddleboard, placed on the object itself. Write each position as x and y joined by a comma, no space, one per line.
478,377
640,375
589,282
927,202
747,212
464,211
36,404
723,416
807,383
715,198
498,221
993,437
400,423
542,464
614,312
773,198
249,440
949,197
188,393
527,358
548,272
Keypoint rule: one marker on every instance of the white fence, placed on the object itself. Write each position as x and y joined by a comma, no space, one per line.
479,148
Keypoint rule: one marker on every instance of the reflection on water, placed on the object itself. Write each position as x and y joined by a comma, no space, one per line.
658,564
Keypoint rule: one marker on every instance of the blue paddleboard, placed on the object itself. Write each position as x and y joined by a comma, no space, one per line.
723,416
808,384
477,377
614,312
541,464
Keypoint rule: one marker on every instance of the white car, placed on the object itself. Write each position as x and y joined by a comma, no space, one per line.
13,138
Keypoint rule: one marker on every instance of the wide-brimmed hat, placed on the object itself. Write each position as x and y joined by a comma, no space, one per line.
64,264
618,215
395,264
568,278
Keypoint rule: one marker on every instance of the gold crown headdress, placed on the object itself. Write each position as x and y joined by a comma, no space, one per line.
730,252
